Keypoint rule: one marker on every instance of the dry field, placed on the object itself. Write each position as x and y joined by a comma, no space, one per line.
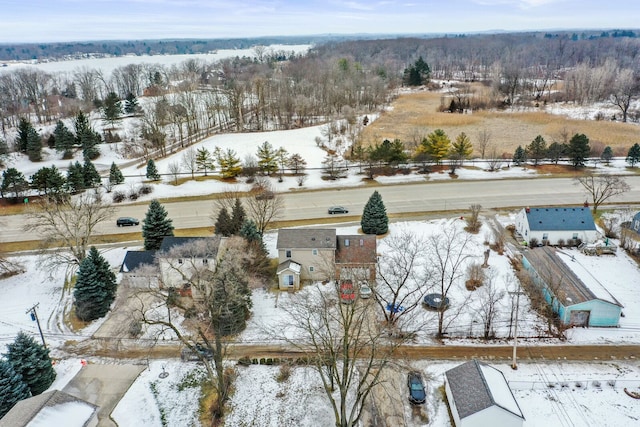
415,115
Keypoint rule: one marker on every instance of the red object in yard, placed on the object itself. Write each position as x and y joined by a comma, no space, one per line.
347,293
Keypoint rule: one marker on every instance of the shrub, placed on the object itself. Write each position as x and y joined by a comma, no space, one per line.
284,373
533,242
119,196
560,242
146,189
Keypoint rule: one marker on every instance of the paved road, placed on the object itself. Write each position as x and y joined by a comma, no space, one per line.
407,198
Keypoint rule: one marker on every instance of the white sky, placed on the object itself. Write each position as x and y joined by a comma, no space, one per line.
79,20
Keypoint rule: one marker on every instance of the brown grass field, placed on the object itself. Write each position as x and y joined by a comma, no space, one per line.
416,114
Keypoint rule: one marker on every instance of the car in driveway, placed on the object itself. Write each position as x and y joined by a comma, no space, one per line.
347,292
338,210
196,354
417,394
126,221
365,290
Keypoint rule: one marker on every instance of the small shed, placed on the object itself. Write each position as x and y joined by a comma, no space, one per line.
551,225
53,408
479,396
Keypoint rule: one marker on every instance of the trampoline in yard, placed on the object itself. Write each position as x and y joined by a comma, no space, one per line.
435,302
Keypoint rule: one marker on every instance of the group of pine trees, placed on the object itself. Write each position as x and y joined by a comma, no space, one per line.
26,370
577,151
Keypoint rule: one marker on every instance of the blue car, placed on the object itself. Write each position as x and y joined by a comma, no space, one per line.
417,395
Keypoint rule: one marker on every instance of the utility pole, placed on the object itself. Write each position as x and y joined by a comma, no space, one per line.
34,316
514,363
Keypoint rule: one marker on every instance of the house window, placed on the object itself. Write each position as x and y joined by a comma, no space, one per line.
179,260
346,242
288,253
314,251
205,261
288,280
311,269
575,236
545,236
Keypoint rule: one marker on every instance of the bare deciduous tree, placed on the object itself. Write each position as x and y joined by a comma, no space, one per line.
174,170
625,89
189,161
601,188
483,137
489,296
343,344
69,225
264,210
473,219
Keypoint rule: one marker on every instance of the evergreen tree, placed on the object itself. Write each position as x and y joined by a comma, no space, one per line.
537,150
23,135
152,171
86,137
204,161
633,156
49,182
374,217
223,224
111,109
13,182
131,104
34,145
267,158
238,216
555,152
231,296
115,176
297,164
519,156
607,154
31,360
75,177
436,145
156,226
417,74
462,147
578,150
230,165
95,287
250,232
65,140
12,388
90,174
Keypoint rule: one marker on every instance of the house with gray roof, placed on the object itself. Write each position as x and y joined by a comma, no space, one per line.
479,396
557,225
139,269
316,254
53,408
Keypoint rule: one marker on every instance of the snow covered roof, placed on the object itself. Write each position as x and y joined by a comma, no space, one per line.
593,285
53,408
476,386
289,265
560,218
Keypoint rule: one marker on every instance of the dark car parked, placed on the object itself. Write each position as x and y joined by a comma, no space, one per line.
199,351
337,210
124,221
417,395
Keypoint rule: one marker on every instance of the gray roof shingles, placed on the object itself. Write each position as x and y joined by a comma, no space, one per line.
306,238
136,259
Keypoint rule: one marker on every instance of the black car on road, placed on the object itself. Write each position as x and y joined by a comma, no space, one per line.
417,395
337,210
125,221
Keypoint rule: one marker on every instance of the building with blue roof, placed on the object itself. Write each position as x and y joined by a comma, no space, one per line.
553,225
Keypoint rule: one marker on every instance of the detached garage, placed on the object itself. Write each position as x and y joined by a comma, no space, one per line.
479,396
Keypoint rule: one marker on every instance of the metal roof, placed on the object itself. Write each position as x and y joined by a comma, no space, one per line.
560,218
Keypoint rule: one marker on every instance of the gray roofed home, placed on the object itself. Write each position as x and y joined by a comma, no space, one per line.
53,408
306,238
480,396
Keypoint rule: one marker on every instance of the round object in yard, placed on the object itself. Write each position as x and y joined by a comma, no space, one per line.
436,301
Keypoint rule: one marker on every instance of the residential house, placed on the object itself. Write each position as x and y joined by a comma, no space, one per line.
53,408
479,396
182,260
571,290
309,254
557,225
630,234
356,257
305,255
140,270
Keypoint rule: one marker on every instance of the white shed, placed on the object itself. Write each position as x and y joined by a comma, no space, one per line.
480,396
551,225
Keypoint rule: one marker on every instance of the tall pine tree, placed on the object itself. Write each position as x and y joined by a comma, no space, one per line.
31,360
223,224
374,217
633,156
34,145
12,388
156,226
115,176
90,174
152,171
238,216
64,140
23,131
75,177
578,149
95,287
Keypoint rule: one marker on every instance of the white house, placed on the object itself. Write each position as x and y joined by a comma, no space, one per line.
479,396
554,225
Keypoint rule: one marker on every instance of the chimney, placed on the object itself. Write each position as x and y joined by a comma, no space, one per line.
527,209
